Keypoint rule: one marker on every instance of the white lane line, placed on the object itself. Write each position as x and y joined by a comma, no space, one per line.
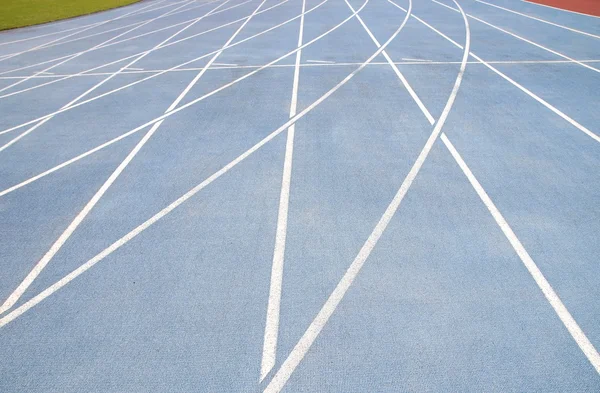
538,19
232,66
522,38
168,70
269,353
400,76
102,82
320,61
517,85
225,64
560,9
312,332
81,28
34,273
132,69
565,316
11,316
115,42
95,46
85,72
424,60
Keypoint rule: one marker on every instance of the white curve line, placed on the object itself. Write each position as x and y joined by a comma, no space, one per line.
18,311
560,309
560,9
112,75
70,29
312,332
48,45
86,72
164,71
57,245
522,38
539,19
94,47
269,352
139,128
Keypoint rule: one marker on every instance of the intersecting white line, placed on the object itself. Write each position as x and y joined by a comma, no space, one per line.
112,75
522,38
560,9
18,311
96,46
563,313
34,273
164,71
269,353
319,322
538,19
86,72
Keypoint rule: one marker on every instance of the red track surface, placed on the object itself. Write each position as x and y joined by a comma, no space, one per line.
591,7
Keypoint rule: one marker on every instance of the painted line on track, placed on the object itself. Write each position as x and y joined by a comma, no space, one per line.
269,352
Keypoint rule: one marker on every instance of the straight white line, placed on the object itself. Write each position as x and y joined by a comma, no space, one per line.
220,66
538,19
317,325
269,353
320,61
170,69
578,335
522,38
11,316
561,9
85,72
132,69
74,28
400,76
517,85
225,64
97,46
425,60
34,273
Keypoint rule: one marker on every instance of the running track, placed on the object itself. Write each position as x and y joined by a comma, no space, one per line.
301,196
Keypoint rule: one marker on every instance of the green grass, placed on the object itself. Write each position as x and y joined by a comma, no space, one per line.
19,13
